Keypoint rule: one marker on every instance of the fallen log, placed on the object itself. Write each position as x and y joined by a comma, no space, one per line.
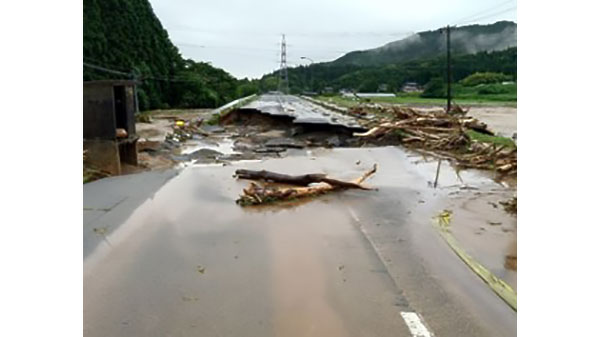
256,194
300,180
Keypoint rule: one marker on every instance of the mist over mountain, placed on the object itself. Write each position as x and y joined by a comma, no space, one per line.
464,40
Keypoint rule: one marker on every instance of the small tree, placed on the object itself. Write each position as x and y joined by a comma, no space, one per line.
484,78
435,88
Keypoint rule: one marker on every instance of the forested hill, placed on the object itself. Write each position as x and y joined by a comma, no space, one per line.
420,58
126,36
465,40
320,76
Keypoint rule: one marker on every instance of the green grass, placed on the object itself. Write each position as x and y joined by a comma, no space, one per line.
497,140
171,111
415,100
499,95
214,119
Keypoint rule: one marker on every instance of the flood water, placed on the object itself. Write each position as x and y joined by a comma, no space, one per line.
190,261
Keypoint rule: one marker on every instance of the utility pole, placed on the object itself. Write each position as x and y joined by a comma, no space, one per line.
134,76
449,77
310,75
283,75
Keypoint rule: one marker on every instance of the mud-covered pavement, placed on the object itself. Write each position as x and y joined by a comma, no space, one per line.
189,261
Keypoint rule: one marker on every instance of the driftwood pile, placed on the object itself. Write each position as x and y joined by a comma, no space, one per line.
510,205
282,187
498,158
445,133
185,130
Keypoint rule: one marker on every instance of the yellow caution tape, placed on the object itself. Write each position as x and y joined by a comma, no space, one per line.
500,287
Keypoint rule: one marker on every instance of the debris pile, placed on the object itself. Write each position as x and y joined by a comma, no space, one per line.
184,130
445,133
282,187
456,109
510,206
91,173
498,158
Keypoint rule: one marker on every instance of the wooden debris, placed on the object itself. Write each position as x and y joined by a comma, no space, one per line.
257,194
510,206
446,133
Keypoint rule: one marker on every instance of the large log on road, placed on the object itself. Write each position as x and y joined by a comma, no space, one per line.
255,194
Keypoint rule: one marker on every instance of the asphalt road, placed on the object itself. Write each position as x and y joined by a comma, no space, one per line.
302,110
190,262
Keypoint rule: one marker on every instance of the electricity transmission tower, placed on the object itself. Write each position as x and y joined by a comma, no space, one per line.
283,75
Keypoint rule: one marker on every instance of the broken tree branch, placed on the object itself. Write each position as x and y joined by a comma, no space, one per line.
255,194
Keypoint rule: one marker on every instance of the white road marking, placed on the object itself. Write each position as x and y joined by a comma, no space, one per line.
412,320
354,216
416,327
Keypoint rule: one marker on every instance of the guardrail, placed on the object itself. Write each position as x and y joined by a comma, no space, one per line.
232,104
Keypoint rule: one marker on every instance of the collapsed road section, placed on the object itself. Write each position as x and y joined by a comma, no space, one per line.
302,111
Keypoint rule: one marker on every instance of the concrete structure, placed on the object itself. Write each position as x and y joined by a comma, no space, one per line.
411,87
301,111
382,87
368,94
109,105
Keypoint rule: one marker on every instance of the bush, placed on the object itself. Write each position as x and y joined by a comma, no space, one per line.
484,78
493,89
435,88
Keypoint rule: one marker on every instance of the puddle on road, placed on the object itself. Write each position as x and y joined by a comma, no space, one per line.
224,145
480,223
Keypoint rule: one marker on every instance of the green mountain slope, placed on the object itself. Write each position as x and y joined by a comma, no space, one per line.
369,78
126,36
465,40
420,58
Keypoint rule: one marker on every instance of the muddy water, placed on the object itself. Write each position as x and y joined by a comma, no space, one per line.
479,222
223,144
502,120
292,271
192,262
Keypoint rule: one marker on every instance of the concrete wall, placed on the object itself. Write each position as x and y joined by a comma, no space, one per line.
98,113
103,154
129,96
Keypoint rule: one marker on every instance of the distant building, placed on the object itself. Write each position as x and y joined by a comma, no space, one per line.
328,90
109,136
411,87
382,88
373,94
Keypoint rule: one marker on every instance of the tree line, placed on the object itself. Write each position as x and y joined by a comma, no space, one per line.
319,77
127,37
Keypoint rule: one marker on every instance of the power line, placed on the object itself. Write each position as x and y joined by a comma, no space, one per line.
289,46
106,65
491,15
143,77
111,71
193,45
482,12
254,33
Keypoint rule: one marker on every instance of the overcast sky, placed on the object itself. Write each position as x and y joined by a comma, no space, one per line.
243,37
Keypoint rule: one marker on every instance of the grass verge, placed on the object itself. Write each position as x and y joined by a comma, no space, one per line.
495,140
501,288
